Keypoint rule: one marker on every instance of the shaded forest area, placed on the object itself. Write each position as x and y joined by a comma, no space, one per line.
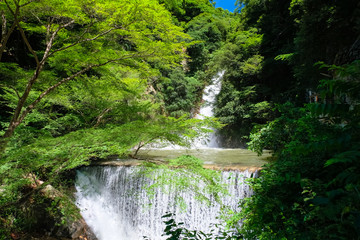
87,80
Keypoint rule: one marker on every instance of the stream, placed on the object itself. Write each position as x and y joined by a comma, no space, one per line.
115,205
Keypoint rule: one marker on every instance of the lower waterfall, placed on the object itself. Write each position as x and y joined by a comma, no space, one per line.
115,206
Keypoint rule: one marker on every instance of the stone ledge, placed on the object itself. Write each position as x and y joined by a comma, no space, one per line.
133,162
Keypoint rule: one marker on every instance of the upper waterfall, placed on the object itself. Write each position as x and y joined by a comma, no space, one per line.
207,110
114,203
209,96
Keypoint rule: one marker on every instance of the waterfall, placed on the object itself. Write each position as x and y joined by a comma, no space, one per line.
115,206
207,110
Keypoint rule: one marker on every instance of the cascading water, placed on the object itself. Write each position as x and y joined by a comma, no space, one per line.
115,206
207,110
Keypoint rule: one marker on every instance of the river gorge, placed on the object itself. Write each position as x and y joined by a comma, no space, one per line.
114,198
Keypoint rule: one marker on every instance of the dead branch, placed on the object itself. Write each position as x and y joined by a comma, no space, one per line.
100,117
5,34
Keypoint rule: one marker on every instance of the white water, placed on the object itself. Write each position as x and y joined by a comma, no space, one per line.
114,205
207,110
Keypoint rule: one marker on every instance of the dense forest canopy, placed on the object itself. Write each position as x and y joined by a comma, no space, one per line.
83,80
79,81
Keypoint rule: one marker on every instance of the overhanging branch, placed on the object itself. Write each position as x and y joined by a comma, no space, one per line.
81,41
67,79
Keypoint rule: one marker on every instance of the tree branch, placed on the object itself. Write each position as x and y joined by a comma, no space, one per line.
83,40
5,35
23,5
50,89
8,6
16,91
100,117
18,117
3,27
37,17
16,14
50,42
65,80
22,33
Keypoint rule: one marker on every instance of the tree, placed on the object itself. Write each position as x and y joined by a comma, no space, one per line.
76,86
180,93
311,190
67,41
209,29
186,10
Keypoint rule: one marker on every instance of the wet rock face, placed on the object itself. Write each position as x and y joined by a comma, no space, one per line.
46,229
82,231
46,212
77,230
73,229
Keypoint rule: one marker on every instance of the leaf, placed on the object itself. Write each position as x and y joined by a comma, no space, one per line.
167,215
285,57
345,157
171,221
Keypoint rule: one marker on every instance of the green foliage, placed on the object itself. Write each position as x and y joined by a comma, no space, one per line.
269,53
79,147
319,39
210,31
76,81
241,103
186,174
284,57
301,33
293,124
274,45
176,231
180,93
60,94
344,85
103,44
49,159
186,10
311,190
